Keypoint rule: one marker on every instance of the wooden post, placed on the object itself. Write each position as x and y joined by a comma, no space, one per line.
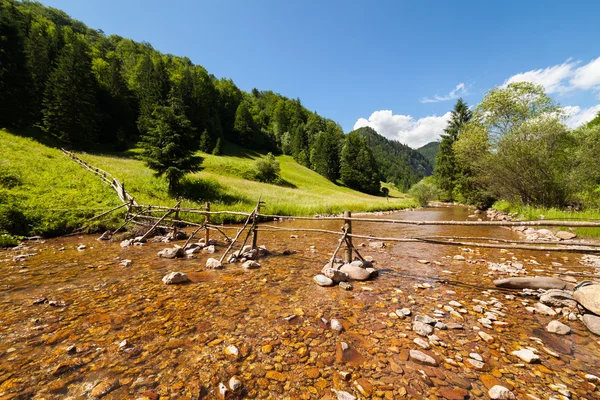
175,220
206,222
255,225
348,225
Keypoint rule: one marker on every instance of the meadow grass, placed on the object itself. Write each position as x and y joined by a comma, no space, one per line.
52,193
56,195
535,213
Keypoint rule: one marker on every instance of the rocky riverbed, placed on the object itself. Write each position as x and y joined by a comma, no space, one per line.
77,321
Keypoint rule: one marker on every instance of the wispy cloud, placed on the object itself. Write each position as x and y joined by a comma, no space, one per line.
460,90
404,128
562,78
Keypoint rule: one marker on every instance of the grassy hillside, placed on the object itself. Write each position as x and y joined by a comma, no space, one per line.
38,180
429,151
38,183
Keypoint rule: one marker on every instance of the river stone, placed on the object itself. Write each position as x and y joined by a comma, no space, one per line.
107,235
346,285
341,395
459,257
558,298
104,388
175,277
250,265
564,235
373,273
355,273
558,327
322,280
425,319
335,266
377,245
588,295
212,263
422,358
235,384
498,392
335,275
526,355
536,282
421,343
544,309
174,252
336,325
126,242
422,328
592,322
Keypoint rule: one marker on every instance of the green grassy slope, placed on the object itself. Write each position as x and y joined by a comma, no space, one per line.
221,182
38,180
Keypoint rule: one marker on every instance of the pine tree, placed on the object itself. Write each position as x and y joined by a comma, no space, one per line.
70,95
169,143
446,171
244,127
358,169
325,154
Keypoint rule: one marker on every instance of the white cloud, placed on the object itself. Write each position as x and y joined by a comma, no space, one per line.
404,128
550,78
563,77
587,76
460,90
576,116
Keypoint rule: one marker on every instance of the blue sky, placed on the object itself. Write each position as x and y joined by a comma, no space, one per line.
397,66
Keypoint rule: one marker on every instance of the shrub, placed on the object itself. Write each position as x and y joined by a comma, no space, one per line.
12,220
267,169
424,192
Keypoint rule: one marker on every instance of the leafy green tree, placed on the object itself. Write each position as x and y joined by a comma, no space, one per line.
358,169
516,147
424,191
229,100
70,95
446,172
244,126
169,143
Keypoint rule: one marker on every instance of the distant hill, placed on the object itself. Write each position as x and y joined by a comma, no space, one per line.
429,151
398,163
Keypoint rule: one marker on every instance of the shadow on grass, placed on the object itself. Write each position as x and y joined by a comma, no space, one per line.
233,150
201,190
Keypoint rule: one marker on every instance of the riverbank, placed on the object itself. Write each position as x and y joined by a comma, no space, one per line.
535,213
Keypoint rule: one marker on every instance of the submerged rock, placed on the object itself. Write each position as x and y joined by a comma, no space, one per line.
175,277
421,328
526,355
422,358
250,265
498,392
335,275
336,325
588,295
346,285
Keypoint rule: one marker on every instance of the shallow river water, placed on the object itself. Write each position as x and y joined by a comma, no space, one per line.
71,346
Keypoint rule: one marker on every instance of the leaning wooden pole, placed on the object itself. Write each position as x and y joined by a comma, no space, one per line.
237,236
207,222
255,225
107,212
339,246
158,222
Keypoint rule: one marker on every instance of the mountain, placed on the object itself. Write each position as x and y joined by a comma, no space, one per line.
398,163
429,151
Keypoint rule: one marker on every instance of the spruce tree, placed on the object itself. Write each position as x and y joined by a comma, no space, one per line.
325,154
70,95
169,143
358,169
446,171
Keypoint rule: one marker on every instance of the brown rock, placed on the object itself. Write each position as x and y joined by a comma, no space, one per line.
454,393
364,386
104,388
277,376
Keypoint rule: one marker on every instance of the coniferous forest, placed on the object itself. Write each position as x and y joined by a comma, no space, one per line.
92,91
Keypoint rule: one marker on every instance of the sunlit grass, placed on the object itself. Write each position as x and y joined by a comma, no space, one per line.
535,213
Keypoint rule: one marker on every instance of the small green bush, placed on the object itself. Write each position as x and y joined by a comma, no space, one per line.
267,169
424,192
12,220
8,240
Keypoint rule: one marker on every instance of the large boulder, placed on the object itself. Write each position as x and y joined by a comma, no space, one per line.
355,273
335,275
175,252
536,282
588,295
592,322
558,298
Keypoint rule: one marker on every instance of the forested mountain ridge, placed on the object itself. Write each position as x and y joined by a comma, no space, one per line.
95,91
398,163
430,151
